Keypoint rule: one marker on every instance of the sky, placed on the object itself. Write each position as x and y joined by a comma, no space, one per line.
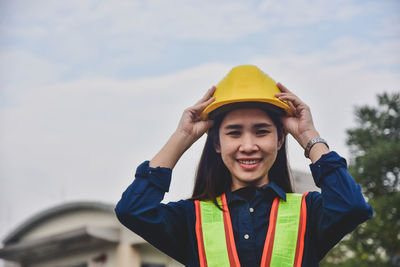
89,89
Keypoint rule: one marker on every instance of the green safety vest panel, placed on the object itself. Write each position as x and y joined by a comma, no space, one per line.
284,243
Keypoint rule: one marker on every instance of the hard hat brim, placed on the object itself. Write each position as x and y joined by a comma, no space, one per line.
223,106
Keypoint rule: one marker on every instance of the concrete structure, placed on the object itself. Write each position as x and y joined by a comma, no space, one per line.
80,234
88,234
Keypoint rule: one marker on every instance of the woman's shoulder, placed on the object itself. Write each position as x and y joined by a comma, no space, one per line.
183,204
182,209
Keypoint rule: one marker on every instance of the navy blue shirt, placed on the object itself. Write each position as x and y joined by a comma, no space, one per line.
331,214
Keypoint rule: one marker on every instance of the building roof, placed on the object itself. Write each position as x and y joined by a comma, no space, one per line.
64,243
15,235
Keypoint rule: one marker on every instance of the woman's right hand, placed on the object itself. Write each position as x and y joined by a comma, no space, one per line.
191,125
190,128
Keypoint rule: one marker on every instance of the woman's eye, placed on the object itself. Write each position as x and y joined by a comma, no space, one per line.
262,131
234,133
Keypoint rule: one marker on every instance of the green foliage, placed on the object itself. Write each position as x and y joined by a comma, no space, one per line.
375,165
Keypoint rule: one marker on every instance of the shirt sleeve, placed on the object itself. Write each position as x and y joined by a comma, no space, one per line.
140,209
340,207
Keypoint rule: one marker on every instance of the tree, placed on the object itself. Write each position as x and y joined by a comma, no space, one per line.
375,165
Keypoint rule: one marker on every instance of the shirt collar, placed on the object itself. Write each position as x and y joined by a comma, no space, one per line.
274,187
271,186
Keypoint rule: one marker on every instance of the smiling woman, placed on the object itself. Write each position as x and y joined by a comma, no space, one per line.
248,143
242,211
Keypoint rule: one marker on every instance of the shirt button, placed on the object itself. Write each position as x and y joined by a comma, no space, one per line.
246,236
251,210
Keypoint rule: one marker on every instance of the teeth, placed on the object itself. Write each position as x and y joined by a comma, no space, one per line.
249,162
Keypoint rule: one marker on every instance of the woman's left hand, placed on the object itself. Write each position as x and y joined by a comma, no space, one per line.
300,124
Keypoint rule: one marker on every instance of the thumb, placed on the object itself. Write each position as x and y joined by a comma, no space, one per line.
289,124
205,126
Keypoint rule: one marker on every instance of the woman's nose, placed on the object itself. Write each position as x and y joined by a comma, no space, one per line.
248,144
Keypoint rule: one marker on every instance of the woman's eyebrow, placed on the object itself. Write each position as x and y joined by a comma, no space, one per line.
233,126
262,125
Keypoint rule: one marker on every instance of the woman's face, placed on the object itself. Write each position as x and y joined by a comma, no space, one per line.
248,143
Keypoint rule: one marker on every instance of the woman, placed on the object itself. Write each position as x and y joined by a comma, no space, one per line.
236,216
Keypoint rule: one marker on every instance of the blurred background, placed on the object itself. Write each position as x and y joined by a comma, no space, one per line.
91,88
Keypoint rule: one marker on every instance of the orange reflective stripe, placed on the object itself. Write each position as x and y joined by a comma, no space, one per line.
199,235
301,233
230,239
269,240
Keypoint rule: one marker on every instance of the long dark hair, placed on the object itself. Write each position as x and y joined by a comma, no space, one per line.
213,178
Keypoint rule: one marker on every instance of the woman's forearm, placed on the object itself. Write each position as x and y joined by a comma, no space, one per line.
172,151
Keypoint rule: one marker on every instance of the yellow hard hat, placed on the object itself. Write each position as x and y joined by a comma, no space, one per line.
246,83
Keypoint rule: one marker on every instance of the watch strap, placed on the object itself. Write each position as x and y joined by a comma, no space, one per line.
313,142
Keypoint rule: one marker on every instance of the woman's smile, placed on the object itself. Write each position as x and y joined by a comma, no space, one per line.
249,164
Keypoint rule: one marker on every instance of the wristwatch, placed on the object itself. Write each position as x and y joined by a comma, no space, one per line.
311,143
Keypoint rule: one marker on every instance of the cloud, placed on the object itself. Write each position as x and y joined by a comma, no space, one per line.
295,13
87,23
390,26
127,39
206,20
178,19
21,67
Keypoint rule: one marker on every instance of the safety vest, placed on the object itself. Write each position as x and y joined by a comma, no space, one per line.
284,243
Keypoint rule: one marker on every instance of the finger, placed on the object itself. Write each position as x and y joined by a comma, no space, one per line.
207,95
292,107
202,105
290,97
203,126
285,91
283,88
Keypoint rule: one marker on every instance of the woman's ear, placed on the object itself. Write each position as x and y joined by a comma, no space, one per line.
280,143
282,138
217,148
